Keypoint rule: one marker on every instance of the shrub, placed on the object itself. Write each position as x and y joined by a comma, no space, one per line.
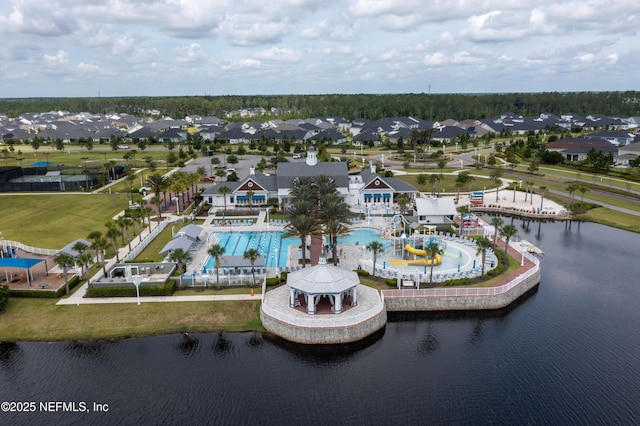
46,294
166,290
362,273
4,296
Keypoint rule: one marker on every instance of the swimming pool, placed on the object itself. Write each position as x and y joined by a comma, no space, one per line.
275,248
271,245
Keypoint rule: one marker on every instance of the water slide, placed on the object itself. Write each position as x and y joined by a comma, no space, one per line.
424,261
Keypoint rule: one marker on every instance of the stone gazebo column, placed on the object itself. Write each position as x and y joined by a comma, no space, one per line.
337,303
311,305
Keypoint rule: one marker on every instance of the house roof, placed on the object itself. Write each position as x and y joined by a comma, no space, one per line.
323,279
181,242
191,231
433,206
68,249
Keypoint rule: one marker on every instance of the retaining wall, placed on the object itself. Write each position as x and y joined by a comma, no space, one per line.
457,299
324,335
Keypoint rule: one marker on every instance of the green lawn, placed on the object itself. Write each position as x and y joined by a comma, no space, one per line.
152,252
52,221
613,218
41,319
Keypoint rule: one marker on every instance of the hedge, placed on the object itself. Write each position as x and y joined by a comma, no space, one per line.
166,290
46,294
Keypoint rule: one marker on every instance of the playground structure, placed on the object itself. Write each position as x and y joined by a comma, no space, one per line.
436,260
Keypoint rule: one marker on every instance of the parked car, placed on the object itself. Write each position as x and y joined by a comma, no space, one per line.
144,189
210,179
220,166
123,146
296,156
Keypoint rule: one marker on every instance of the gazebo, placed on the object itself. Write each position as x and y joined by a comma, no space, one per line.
322,280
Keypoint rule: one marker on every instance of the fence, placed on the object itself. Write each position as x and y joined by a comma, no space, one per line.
469,292
34,250
150,237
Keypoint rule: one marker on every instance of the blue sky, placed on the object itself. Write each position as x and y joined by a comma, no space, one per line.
220,47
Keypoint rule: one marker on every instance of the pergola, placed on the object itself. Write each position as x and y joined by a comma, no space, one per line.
9,263
322,280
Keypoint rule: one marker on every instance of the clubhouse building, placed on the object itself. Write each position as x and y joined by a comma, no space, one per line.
366,189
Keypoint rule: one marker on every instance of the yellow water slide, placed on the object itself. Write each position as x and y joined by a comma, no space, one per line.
424,261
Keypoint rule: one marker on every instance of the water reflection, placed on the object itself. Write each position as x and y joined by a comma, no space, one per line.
188,345
222,345
255,341
93,350
430,343
325,353
10,354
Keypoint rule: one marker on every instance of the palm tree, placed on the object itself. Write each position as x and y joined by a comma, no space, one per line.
252,255
482,244
157,201
434,178
64,260
157,183
571,189
507,232
216,251
100,246
127,222
403,202
583,190
376,248
334,214
224,190
495,176
496,222
181,257
543,190
463,210
250,195
113,233
93,237
530,185
84,260
302,224
432,250
80,247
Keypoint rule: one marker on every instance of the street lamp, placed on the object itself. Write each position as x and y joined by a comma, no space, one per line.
137,279
177,204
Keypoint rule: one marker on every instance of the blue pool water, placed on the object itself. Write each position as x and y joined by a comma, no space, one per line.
271,245
274,247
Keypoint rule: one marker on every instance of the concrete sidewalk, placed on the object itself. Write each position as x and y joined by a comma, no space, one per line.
133,300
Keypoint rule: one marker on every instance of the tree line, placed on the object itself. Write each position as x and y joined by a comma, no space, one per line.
349,106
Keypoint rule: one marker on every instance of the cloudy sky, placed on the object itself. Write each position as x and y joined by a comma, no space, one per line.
220,47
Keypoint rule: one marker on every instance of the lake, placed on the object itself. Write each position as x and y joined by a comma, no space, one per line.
567,353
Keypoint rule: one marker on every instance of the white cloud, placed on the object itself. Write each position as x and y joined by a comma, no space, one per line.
349,45
191,53
279,54
89,68
61,57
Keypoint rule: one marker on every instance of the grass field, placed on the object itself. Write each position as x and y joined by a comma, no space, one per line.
42,320
613,218
52,221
